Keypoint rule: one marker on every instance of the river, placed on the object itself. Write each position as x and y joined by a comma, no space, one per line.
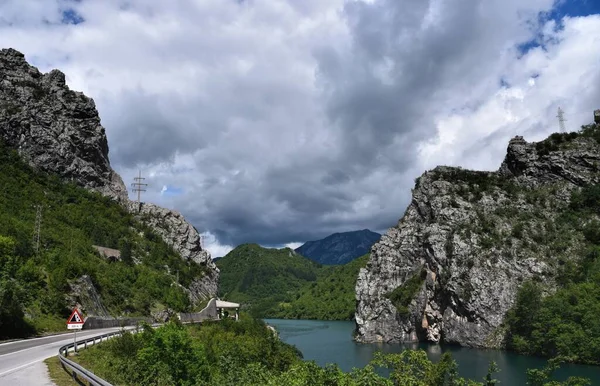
331,342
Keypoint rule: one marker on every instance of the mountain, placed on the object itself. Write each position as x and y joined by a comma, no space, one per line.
330,297
260,278
279,283
339,248
474,247
55,154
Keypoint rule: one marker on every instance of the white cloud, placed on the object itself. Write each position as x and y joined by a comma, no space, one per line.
212,245
293,245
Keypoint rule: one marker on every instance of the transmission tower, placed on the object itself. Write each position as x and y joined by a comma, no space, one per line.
138,187
37,228
561,120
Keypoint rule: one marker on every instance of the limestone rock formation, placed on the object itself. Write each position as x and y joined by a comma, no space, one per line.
86,298
176,231
55,129
450,269
58,131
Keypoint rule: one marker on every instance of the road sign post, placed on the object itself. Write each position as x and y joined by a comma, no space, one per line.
75,322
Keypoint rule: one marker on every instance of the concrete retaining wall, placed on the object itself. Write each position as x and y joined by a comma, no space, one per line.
94,322
208,312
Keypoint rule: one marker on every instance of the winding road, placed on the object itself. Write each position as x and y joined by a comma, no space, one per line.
21,362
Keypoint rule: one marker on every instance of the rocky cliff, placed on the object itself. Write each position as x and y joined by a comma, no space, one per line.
450,269
185,240
58,131
55,129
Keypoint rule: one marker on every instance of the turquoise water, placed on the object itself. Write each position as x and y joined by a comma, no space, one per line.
331,342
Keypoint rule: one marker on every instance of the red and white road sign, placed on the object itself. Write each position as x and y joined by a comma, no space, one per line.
75,321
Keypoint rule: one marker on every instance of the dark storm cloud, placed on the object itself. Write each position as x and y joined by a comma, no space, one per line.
406,57
144,130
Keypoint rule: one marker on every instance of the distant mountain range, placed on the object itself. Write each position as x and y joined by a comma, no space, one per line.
339,248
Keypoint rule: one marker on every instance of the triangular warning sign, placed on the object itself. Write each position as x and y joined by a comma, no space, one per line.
75,317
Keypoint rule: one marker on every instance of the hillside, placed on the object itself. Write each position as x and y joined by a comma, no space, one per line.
280,283
330,297
260,277
55,155
38,288
475,247
339,248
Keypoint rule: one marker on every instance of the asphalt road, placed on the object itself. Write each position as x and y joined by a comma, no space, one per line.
21,362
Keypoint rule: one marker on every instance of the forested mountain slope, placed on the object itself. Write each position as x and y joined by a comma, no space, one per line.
280,283
38,286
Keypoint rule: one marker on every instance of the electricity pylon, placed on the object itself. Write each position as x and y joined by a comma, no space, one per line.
561,120
138,187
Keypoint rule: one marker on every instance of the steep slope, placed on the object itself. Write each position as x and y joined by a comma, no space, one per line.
339,248
58,131
451,268
53,128
261,278
40,283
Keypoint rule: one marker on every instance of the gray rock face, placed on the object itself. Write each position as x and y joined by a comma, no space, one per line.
58,131
478,236
84,296
176,231
55,129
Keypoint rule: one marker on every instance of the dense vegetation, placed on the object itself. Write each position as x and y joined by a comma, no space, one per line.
34,284
330,297
404,294
247,353
261,278
565,323
280,283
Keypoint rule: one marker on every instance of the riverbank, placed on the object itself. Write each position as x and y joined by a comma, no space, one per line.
331,341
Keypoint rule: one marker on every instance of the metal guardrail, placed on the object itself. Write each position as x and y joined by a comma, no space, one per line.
79,370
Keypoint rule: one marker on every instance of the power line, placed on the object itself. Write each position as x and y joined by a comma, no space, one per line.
561,120
138,187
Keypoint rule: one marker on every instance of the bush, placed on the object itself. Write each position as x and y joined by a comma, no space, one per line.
402,296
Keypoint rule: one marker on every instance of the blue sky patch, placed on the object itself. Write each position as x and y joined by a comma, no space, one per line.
70,16
171,191
562,8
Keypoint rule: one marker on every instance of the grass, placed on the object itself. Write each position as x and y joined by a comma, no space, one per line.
61,376
48,324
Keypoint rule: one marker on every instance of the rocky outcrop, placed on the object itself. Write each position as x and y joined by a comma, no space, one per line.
475,236
176,231
55,129
58,131
86,298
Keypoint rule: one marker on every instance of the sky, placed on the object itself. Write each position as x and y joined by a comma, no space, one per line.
283,121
